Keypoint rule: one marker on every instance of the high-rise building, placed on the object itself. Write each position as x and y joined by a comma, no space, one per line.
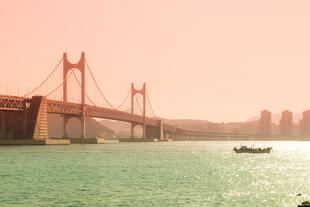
286,123
265,122
305,123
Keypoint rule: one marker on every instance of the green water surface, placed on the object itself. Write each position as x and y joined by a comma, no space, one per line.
154,174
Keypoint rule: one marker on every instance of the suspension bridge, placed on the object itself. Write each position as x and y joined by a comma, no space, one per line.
26,116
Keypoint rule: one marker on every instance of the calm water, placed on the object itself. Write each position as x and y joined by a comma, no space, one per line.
154,174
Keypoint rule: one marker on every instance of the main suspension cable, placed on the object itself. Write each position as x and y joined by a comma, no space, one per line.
77,80
61,84
147,95
139,105
45,80
124,100
93,77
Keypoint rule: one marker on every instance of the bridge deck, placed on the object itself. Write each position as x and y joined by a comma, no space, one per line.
14,103
59,107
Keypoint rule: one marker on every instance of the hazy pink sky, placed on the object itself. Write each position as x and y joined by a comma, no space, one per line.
214,60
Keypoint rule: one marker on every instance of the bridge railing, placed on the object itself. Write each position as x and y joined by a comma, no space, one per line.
60,107
12,103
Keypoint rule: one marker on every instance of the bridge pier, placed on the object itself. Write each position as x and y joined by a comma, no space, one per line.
3,124
37,127
132,128
24,127
149,131
64,128
133,125
83,124
26,122
144,127
155,131
65,125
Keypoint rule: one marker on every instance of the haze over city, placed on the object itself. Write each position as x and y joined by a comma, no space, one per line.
154,103
213,60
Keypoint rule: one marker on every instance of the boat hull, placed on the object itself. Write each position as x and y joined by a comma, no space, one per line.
253,150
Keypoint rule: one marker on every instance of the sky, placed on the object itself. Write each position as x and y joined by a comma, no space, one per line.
220,61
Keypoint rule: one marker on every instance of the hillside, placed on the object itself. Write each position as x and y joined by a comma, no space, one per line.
122,129
93,128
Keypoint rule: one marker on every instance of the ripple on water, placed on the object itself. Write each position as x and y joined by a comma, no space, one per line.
154,174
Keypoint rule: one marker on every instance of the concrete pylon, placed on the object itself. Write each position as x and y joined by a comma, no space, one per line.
37,118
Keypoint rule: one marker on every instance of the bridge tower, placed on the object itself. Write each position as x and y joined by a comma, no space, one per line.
143,93
67,66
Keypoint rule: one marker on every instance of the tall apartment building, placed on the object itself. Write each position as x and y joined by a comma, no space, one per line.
305,123
265,122
286,123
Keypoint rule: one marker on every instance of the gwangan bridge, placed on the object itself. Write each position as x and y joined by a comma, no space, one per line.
26,117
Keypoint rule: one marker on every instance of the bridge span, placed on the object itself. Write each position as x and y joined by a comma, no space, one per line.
19,112
26,116
19,119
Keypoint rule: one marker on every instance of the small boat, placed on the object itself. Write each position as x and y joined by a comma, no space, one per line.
304,204
245,149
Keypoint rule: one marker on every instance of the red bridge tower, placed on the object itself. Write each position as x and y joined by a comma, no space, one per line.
143,93
67,66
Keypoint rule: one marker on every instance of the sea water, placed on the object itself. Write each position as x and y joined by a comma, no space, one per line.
154,174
